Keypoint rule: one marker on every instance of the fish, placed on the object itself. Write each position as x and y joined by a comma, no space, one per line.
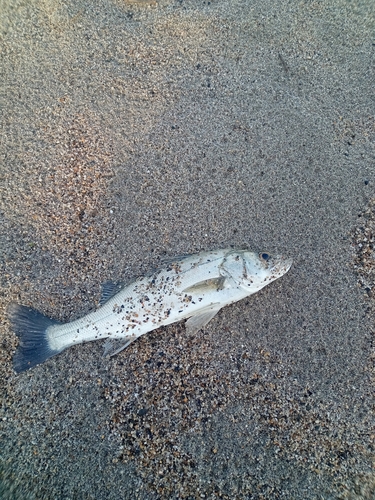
192,288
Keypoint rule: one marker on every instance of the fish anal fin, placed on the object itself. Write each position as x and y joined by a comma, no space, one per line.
109,290
199,320
114,346
206,286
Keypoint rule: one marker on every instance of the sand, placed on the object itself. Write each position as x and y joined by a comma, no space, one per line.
137,130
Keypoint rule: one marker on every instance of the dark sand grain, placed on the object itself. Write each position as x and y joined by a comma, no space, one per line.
135,130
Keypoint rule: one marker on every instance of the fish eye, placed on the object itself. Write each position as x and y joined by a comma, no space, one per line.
265,256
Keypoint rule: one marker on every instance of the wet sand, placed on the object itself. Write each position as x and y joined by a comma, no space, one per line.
133,131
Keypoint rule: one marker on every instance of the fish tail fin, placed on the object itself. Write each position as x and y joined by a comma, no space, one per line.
30,327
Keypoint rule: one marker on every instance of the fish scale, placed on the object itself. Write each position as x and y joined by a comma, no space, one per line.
125,313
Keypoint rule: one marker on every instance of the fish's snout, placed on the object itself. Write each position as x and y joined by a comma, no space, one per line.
288,264
281,265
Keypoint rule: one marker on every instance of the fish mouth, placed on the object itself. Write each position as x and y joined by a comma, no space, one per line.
280,265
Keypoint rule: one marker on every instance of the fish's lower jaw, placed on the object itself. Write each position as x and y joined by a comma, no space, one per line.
281,268
287,264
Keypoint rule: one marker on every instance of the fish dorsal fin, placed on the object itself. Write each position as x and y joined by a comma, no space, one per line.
109,290
114,346
205,286
199,320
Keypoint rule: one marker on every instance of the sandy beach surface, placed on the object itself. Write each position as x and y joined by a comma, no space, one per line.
133,131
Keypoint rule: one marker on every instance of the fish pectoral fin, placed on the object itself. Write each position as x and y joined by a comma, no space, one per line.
114,346
206,286
199,320
109,290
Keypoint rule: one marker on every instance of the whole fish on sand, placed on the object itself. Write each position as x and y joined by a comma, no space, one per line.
194,288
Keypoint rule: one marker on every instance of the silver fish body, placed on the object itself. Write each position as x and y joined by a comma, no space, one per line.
195,288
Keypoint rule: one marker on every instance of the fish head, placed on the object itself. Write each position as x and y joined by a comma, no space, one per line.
253,271
263,268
